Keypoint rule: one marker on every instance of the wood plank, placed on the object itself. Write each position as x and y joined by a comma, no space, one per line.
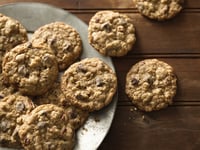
165,129
176,36
161,37
92,4
185,68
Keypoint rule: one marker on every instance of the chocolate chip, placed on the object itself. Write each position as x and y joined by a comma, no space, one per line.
134,81
73,115
20,106
99,82
150,80
81,68
107,27
67,47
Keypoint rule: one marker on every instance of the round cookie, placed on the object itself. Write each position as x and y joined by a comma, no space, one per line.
12,33
55,96
63,39
47,128
89,84
30,69
12,110
151,84
159,9
111,33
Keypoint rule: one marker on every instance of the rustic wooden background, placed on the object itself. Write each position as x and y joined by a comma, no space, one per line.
176,42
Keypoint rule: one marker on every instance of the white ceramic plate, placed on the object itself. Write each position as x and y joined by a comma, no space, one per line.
33,16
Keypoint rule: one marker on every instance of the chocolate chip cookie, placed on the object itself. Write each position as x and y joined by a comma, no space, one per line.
89,84
30,69
12,33
159,9
47,128
151,84
12,110
63,39
111,33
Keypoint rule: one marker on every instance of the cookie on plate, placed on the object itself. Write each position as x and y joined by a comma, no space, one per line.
12,33
111,33
63,39
159,9
89,84
12,110
30,69
151,84
55,96
47,127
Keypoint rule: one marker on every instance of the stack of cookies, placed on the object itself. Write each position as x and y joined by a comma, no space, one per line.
46,93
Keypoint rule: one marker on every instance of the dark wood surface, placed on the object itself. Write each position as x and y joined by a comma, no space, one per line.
176,42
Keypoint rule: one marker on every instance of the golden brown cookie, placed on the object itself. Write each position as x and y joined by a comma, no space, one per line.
12,110
111,33
151,84
47,128
30,69
89,84
63,39
159,9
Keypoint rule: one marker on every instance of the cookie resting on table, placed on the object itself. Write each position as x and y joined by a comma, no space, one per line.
111,33
151,84
159,9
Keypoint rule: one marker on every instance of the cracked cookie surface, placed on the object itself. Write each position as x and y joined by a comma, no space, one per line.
29,68
62,39
89,84
111,33
151,84
159,9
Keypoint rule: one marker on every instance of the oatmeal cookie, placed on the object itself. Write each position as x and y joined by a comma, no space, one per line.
89,84
111,33
47,128
63,39
12,33
151,84
12,110
30,69
159,9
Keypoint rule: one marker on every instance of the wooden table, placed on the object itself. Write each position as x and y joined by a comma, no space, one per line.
176,42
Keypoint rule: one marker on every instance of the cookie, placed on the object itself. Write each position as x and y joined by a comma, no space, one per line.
151,84
63,39
12,110
30,69
55,96
47,128
12,33
111,33
89,84
159,9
